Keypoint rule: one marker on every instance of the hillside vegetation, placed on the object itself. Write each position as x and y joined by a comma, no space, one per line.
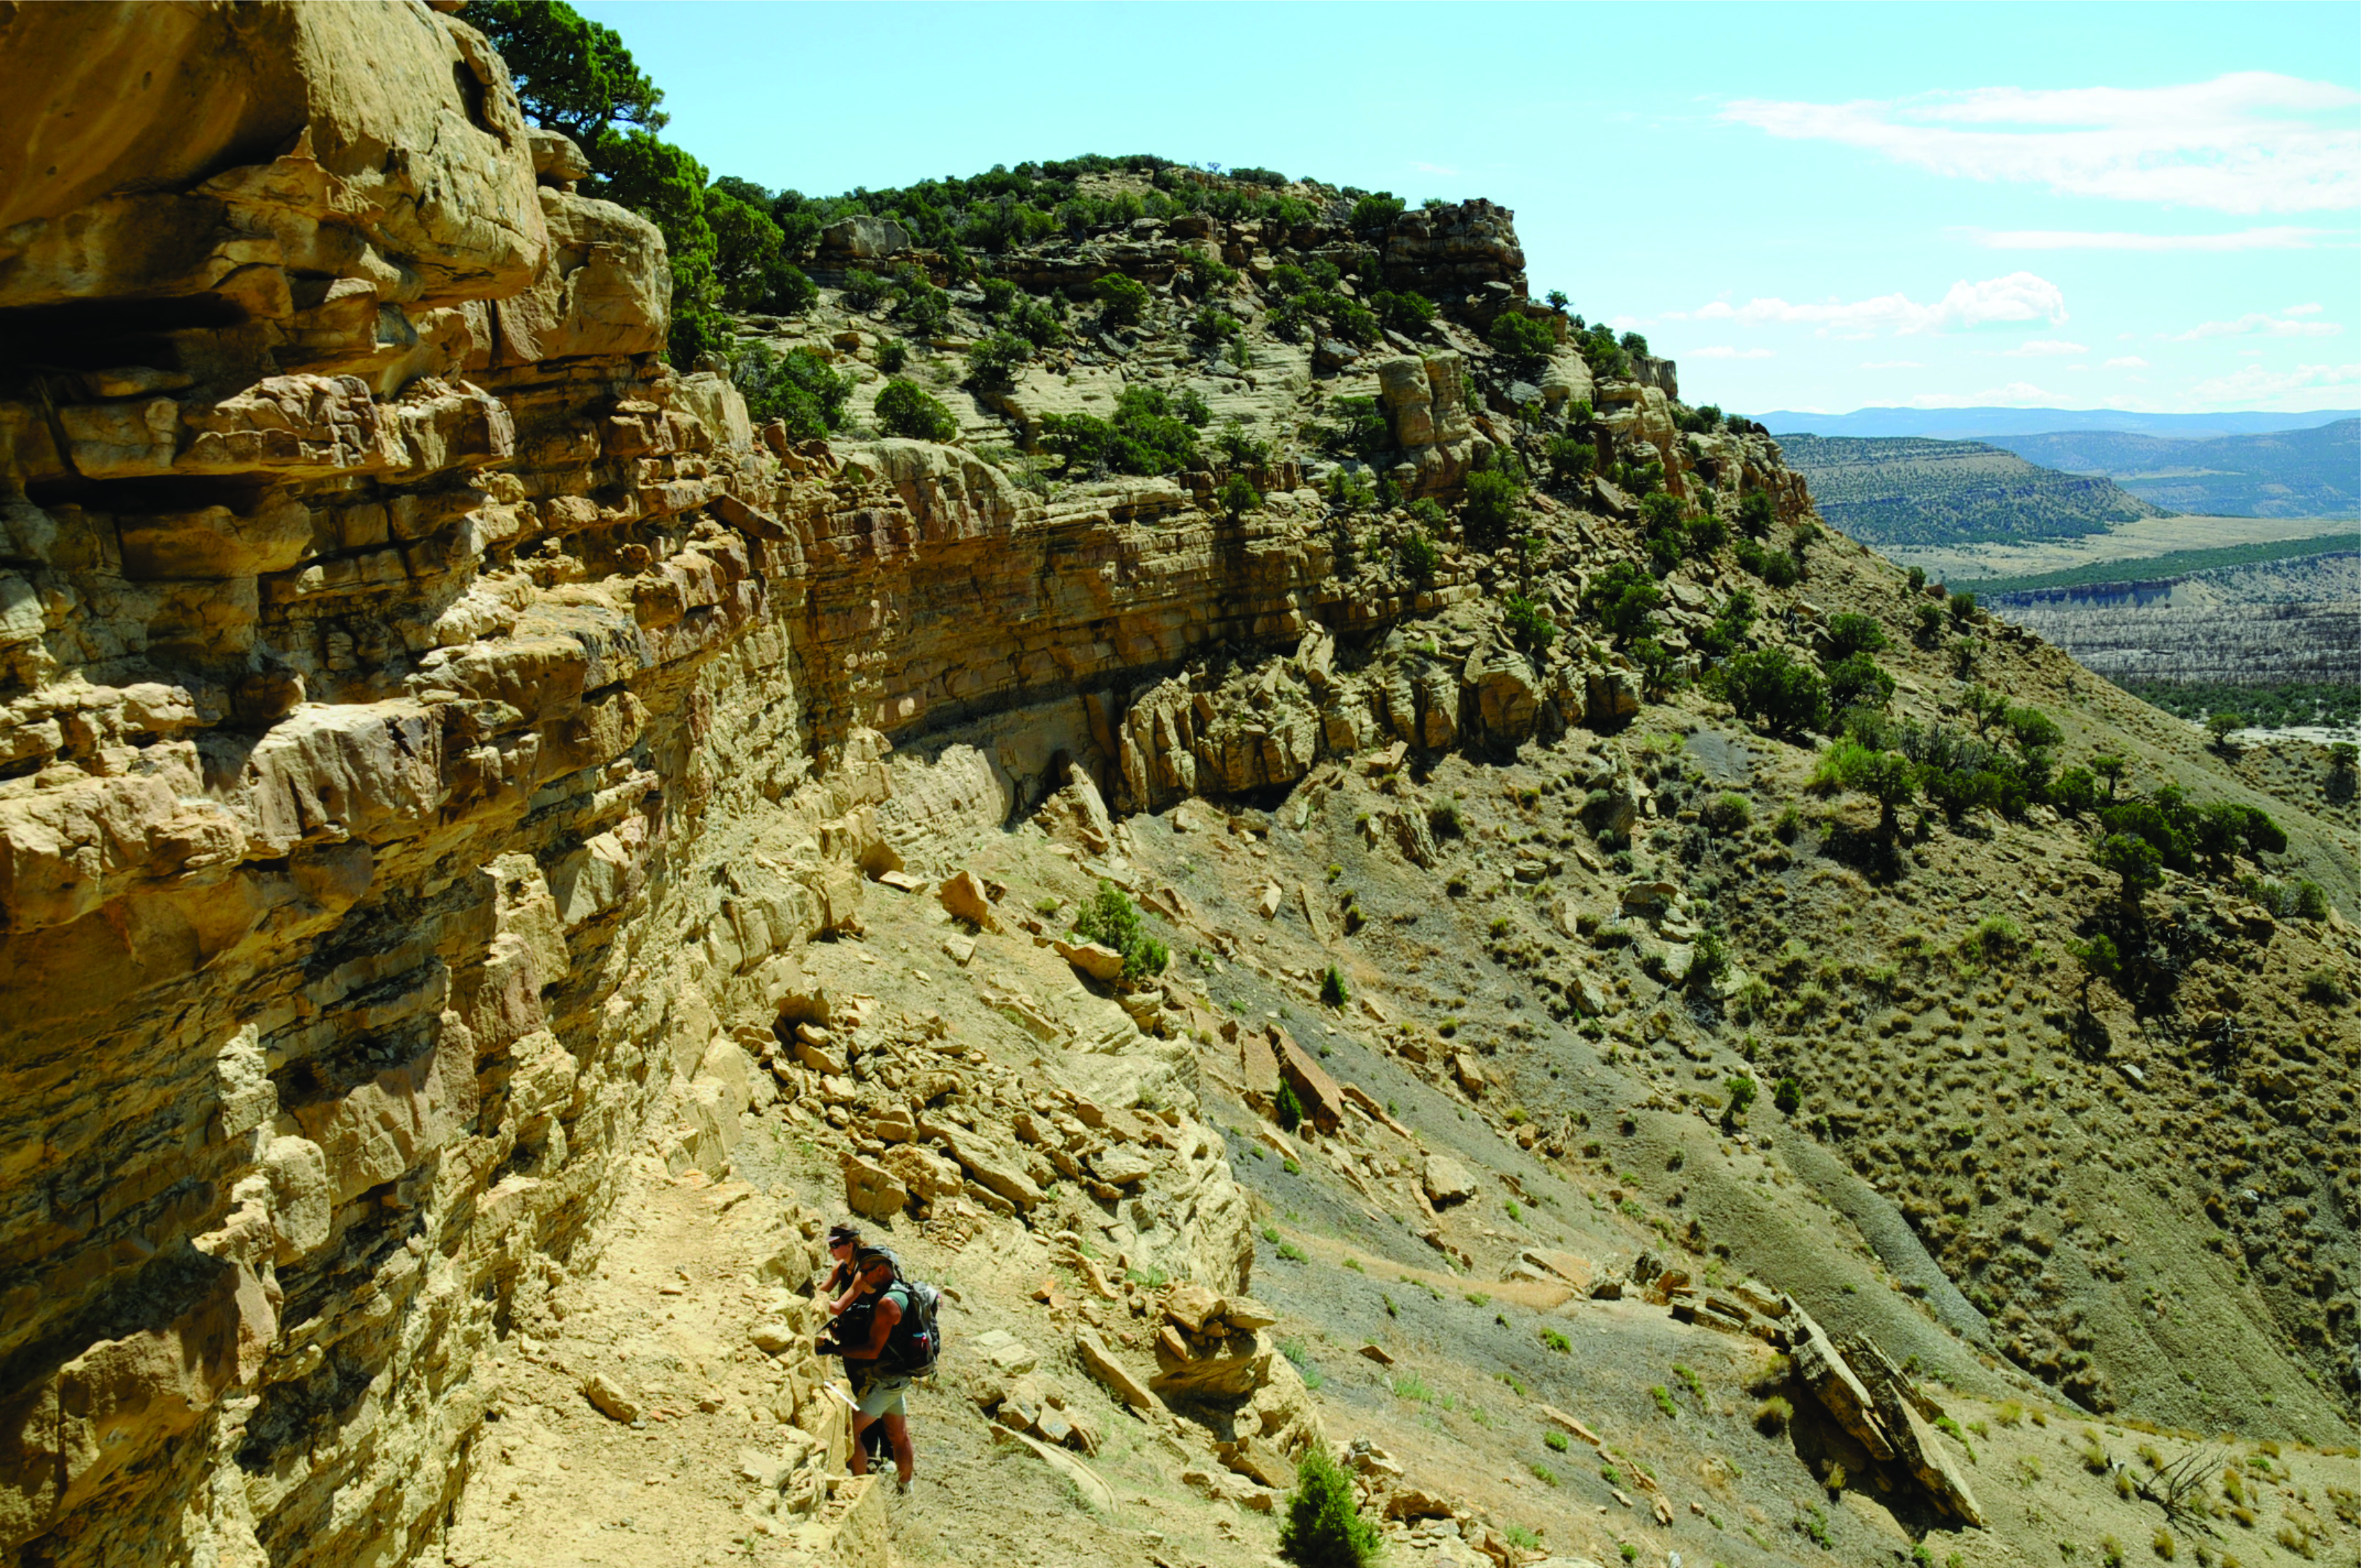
1904,491
2296,473
1440,967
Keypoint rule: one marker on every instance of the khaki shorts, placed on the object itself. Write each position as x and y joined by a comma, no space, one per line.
883,1397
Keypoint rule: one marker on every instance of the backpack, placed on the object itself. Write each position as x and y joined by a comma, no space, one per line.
917,1341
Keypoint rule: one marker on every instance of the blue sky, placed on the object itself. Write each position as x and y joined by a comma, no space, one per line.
2145,206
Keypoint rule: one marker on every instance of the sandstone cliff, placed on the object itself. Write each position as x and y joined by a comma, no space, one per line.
433,732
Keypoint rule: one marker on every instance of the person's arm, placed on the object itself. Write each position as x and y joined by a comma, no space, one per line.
881,1328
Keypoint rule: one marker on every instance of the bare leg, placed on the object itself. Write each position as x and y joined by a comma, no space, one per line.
861,1424
897,1434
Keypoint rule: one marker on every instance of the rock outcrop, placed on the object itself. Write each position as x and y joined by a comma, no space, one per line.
430,727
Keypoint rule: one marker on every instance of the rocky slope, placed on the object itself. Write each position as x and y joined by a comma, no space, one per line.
465,783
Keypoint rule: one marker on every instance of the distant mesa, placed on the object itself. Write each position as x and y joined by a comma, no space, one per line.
1982,424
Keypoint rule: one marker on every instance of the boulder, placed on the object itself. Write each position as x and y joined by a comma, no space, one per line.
1323,1102
1260,1065
1003,1353
1507,694
608,1397
1124,1165
1610,697
965,897
995,1168
1245,1314
1190,1305
1096,959
872,1190
1230,1368
864,237
1101,1363
1446,1181
925,1174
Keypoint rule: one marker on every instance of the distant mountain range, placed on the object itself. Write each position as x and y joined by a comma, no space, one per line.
1906,490
1980,425
2292,473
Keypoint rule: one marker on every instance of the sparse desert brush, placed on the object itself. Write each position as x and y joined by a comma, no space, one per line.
1772,1416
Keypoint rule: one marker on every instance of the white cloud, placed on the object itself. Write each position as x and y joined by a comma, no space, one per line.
1892,365
2252,323
2248,142
2126,362
2279,238
1723,351
2256,384
2311,309
2018,393
2019,297
2045,347
1436,169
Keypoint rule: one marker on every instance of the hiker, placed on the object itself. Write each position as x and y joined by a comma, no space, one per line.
844,1241
874,1301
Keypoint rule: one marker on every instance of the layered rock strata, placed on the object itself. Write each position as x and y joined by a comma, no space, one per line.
430,727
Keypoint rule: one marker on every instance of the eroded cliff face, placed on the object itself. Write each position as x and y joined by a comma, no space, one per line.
431,727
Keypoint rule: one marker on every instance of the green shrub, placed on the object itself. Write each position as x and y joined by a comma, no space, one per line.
1110,918
1523,343
1239,447
1857,681
1756,513
2032,728
1417,557
1528,623
1623,598
1852,632
1889,778
1210,323
1776,568
1237,497
905,407
1964,608
1287,1109
1404,313
1728,813
1740,1091
864,290
1490,505
994,360
1770,687
1772,1416
1123,300
1324,1527
1152,433
1376,210
1570,458
1334,992
797,388
1555,1440
1359,429
2135,861
1788,1096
